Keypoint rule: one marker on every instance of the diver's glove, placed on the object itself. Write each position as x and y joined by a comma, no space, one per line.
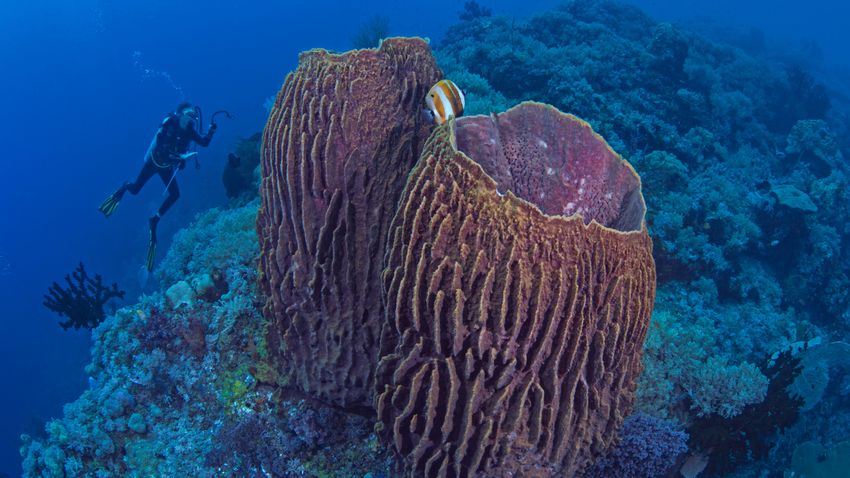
212,129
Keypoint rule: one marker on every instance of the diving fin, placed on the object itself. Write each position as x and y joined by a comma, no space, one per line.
153,221
109,205
151,255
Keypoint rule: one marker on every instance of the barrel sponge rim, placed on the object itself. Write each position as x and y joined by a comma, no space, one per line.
385,43
489,181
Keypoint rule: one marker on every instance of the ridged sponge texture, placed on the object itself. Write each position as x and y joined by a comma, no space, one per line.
514,332
341,138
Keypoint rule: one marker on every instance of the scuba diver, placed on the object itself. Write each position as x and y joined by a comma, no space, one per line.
166,155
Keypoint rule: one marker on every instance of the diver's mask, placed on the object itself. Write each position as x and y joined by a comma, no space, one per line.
189,117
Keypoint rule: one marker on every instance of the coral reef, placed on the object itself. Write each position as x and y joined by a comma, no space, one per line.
82,301
820,363
340,140
270,445
731,441
699,360
217,242
175,389
822,385
813,460
648,447
519,286
743,166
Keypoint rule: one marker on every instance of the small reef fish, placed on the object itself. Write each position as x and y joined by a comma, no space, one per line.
444,101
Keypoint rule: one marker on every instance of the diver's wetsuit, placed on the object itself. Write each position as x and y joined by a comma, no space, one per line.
164,155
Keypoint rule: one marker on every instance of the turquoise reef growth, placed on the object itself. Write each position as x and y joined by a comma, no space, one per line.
177,378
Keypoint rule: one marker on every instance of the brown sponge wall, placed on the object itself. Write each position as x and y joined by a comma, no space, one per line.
513,338
342,136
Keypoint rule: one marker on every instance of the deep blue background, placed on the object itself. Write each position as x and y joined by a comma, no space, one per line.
78,109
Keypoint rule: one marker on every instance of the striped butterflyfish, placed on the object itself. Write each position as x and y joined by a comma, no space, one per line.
445,100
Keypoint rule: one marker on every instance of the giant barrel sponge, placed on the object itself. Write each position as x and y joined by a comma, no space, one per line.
519,283
341,138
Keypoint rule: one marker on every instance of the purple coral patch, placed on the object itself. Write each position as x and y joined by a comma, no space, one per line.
648,447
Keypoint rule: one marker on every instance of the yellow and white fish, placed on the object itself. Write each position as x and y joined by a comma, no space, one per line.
444,101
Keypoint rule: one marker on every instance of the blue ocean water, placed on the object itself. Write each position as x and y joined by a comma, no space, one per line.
83,86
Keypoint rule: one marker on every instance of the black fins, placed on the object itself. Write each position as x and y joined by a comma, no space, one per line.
151,255
153,221
109,205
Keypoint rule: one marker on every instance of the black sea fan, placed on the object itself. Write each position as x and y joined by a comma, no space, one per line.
82,301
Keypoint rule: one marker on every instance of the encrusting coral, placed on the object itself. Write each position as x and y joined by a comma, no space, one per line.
519,285
341,137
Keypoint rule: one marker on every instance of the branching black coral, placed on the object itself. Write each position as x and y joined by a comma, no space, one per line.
82,301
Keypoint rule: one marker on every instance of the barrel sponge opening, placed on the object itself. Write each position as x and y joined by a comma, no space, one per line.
556,162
